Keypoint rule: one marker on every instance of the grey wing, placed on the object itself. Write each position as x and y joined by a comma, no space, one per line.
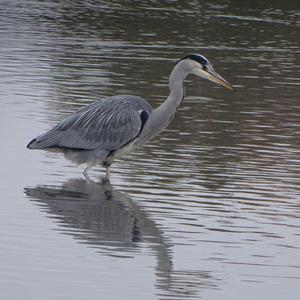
108,125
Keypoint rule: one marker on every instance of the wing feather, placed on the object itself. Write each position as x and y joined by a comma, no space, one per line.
108,125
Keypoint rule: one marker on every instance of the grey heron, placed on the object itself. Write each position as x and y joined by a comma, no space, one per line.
108,129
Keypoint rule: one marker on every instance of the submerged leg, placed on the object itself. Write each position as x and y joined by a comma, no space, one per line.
86,172
108,171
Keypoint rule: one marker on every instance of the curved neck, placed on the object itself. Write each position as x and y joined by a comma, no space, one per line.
162,115
176,87
167,109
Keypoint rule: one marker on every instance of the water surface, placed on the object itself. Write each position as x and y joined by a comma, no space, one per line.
209,209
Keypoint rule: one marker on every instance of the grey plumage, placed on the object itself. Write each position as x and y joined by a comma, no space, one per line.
96,131
107,129
108,124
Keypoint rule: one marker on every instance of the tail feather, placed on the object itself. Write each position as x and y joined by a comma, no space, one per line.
44,141
33,144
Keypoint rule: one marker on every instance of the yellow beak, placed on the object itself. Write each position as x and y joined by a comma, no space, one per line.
215,77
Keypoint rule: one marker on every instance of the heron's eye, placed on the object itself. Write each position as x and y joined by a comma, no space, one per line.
204,68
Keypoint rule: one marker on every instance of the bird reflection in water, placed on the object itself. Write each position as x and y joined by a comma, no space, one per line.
96,214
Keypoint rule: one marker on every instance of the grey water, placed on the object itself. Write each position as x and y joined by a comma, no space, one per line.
210,209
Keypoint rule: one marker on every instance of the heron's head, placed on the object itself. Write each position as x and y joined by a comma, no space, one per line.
200,66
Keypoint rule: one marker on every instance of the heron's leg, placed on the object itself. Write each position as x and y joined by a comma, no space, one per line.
86,172
108,171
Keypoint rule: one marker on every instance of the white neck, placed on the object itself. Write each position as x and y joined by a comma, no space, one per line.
162,115
178,74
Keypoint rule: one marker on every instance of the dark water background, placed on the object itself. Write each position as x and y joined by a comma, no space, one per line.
210,209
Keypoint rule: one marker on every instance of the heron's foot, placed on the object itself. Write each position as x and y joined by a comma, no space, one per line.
86,173
107,178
